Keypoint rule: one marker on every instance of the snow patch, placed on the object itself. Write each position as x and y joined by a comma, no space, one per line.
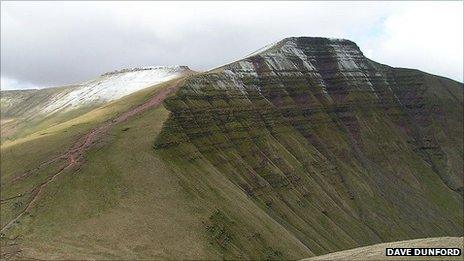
345,57
114,85
291,48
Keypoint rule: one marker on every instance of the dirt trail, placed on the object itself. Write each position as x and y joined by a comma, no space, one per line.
75,155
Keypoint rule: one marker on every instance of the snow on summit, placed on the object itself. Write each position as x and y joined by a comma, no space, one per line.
114,85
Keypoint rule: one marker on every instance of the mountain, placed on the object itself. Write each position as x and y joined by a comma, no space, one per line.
339,150
302,148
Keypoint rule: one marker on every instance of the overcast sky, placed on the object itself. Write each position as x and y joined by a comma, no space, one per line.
56,43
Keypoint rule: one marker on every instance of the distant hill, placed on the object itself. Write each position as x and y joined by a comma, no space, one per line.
25,109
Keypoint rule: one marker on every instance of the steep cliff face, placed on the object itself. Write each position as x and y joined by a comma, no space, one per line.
339,150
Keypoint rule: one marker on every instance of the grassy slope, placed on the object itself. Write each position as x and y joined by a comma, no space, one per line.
113,195
377,252
28,152
124,189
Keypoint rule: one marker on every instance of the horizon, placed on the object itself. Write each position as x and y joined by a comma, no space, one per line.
141,67
78,41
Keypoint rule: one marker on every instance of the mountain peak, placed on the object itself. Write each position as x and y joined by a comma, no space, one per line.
302,53
304,48
307,42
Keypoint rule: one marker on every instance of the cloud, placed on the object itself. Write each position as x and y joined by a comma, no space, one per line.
56,43
13,84
427,36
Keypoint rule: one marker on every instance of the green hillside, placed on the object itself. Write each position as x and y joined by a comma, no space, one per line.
124,188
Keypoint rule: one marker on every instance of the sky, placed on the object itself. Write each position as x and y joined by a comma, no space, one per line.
46,44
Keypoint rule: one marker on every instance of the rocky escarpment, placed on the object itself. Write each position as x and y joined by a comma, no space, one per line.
339,150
